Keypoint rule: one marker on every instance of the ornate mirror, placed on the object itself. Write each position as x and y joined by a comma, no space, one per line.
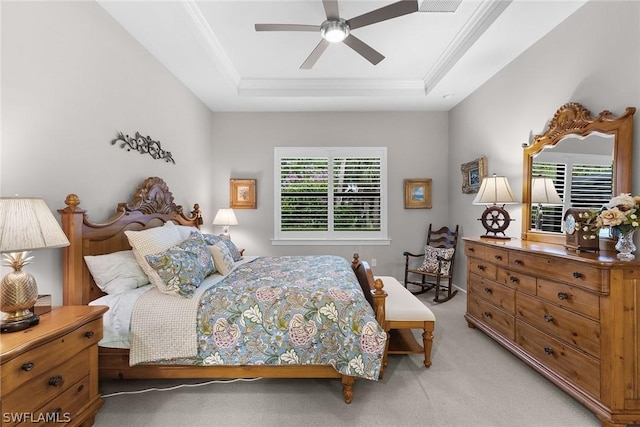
581,154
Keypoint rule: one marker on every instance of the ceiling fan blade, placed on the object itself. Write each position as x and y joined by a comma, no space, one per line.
403,7
369,53
313,57
287,27
331,9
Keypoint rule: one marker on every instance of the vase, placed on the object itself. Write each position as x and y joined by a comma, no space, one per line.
625,246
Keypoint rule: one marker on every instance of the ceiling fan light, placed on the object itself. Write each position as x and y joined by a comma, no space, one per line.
334,31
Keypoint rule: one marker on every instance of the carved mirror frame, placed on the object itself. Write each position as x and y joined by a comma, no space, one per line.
573,119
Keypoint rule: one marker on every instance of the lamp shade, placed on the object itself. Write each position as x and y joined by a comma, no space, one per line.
495,190
225,216
27,224
543,191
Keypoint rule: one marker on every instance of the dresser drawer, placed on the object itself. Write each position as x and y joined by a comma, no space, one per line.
517,280
482,267
35,362
488,253
560,323
571,297
574,273
493,292
583,370
49,384
495,318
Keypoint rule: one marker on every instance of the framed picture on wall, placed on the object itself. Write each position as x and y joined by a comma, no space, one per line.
472,174
242,194
417,193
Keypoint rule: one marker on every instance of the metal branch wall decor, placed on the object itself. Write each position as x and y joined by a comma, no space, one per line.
143,145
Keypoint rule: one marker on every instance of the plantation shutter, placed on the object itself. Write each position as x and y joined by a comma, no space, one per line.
591,185
356,193
330,193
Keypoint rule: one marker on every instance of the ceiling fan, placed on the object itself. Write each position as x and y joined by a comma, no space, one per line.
335,29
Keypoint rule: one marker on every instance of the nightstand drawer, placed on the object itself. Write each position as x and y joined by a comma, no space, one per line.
30,365
41,389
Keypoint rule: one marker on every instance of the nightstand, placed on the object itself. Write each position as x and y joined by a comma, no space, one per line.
49,373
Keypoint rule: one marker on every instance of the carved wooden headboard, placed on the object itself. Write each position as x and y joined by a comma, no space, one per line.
152,206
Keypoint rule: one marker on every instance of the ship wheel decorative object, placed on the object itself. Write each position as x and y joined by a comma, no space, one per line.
495,219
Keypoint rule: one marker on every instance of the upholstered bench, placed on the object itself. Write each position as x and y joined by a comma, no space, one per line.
403,312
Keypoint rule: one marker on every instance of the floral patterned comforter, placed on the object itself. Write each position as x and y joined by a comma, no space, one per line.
303,310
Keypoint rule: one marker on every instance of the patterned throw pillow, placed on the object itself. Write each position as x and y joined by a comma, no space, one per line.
233,249
430,263
222,258
183,267
153,241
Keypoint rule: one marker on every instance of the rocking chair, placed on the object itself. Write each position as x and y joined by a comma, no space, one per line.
436,270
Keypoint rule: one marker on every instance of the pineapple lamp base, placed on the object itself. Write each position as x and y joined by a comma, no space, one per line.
19,325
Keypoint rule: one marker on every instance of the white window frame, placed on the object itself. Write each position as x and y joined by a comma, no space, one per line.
331,237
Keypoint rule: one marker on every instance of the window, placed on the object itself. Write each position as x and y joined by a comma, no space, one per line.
335,194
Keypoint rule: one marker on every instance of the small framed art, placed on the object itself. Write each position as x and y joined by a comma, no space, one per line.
417,193
242,194
472,174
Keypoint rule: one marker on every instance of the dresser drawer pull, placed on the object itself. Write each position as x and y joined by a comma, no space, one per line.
481,267
498,257
471,249
577,275
563,296
88,334
548,318
487,314
488,290
28,366
56,381
513,279
56,413
518,262
548,350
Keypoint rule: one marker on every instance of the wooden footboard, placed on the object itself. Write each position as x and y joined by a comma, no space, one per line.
152,207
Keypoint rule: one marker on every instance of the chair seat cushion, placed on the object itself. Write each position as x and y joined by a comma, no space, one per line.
401,304
431,263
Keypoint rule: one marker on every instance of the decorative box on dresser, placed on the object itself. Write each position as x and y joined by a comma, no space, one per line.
574,317
49,373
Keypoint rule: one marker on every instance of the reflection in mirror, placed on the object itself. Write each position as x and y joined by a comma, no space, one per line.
587,158
579,170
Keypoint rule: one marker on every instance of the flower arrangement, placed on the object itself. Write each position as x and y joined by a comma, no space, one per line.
621,214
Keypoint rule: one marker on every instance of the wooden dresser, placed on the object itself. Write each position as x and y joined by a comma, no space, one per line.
575,318
49,373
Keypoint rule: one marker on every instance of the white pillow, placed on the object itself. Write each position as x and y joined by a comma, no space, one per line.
152,241
222,258
116,272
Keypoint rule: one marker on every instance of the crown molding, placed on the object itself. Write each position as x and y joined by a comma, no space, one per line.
330,87
486,13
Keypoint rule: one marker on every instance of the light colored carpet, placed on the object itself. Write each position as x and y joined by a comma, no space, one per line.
473,382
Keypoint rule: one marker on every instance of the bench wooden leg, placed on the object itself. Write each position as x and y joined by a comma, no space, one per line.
427,339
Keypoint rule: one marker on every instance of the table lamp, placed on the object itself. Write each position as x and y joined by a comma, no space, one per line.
225,217
494,191
543,192
26,224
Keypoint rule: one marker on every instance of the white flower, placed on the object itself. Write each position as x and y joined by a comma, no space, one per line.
623,199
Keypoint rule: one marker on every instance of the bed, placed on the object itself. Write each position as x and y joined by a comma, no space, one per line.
153,207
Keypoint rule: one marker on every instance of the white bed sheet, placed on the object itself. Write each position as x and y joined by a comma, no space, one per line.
116,322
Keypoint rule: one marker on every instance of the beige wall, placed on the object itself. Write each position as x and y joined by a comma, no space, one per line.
591,58
416,148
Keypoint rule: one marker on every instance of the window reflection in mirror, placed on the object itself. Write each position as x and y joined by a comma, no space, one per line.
581,169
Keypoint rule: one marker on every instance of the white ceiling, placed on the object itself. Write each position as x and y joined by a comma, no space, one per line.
432,60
